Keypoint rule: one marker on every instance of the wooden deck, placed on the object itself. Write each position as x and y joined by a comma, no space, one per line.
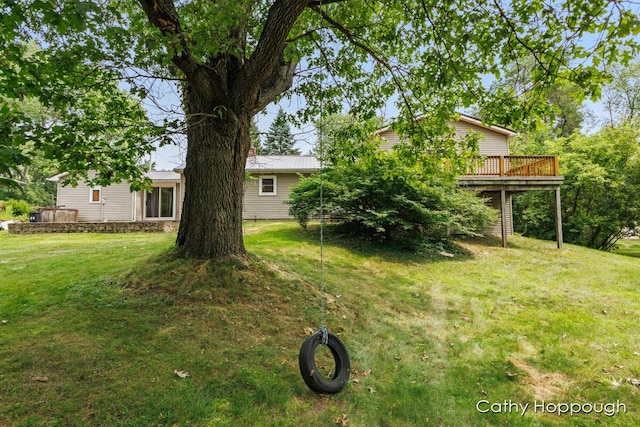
506,175
523,166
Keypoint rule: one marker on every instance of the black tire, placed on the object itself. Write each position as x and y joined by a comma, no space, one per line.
314,380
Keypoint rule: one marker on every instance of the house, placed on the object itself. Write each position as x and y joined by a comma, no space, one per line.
497,175
494,142
272,177
117,202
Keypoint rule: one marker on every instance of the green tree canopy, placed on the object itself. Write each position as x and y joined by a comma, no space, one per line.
228,60
600,191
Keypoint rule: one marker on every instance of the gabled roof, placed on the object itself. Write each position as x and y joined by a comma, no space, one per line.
275,164
467,119
155,176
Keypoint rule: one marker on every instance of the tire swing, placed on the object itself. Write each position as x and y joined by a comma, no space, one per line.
311,375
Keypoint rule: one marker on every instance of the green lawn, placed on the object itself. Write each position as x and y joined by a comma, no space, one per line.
630,247
93,328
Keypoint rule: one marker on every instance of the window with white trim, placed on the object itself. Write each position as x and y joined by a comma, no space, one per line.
267,185
95,195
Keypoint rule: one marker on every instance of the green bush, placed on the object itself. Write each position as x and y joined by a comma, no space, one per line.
17,207
383,198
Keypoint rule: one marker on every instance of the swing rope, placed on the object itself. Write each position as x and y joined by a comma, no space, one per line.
323,328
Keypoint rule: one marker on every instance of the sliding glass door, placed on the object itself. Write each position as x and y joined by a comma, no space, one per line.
160,203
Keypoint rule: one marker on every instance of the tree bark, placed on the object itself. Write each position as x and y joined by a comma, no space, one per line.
211,222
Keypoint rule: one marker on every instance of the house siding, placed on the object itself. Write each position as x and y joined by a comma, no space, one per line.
494,202
120,203
492,144
268,207
117,206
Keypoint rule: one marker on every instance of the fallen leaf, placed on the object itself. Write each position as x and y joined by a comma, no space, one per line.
616,383
181,374
366,372
40,379
372,390
511,374
308,331
343,420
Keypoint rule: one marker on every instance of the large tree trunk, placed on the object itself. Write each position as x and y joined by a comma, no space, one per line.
221,96
211,222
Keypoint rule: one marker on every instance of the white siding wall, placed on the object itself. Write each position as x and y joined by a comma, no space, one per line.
117,207
268,207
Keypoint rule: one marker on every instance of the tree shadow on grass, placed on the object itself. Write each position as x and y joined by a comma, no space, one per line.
334,235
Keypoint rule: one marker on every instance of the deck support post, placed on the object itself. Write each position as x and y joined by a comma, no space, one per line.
558,218
503,214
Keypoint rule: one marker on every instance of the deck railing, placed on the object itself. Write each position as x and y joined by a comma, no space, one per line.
515,166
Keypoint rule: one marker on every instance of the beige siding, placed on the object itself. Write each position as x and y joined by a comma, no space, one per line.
118,204
268,207
496,229
492,143
139,202
179,197
389,139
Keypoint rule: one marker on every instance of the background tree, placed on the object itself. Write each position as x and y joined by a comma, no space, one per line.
229,60
600,191
622,95
338,135
35,167
256,141
280,140
559,110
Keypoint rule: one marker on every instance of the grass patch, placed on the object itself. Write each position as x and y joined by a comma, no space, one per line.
629,247
108,319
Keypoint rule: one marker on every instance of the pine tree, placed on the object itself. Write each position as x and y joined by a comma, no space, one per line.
279,140
254,135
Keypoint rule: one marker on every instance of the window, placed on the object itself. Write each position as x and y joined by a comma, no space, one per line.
267,186
95,195
159,203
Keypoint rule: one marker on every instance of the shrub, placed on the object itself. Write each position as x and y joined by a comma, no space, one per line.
17,207
383,198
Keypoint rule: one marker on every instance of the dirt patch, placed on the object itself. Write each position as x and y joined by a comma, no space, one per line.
544,386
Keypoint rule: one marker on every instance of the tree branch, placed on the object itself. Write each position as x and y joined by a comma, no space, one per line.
163,15
379,58
266,63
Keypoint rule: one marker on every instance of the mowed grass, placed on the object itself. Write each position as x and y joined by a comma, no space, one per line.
630,247
95,327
